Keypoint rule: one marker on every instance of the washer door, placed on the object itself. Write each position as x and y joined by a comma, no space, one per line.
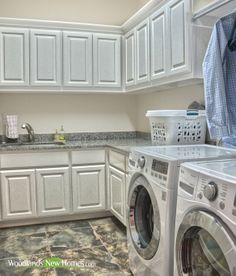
204,246
144,218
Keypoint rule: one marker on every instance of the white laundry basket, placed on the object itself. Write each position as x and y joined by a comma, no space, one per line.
177,127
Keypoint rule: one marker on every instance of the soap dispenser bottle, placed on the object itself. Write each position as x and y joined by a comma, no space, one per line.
62,135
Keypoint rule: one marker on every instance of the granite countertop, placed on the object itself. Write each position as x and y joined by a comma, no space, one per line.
124,145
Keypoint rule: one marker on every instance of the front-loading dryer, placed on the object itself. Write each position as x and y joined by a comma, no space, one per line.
205,232
151,203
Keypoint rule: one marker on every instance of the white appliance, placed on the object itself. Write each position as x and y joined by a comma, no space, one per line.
206,219
151,200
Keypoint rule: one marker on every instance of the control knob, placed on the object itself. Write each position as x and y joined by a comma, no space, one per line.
141,162
210,191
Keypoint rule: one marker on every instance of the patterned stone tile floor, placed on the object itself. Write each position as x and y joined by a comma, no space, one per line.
87,248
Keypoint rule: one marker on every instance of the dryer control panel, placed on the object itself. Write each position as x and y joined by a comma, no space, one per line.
209,191
217,193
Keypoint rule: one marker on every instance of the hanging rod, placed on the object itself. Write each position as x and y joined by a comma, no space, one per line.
211,8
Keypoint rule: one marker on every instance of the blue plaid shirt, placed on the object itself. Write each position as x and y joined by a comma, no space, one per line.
219,69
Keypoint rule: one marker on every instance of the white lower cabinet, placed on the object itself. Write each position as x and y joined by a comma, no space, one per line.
53,191
88,184
18,194
117,184
117,193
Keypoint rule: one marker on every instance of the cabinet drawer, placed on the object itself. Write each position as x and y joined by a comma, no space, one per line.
117,160
21,160
88,157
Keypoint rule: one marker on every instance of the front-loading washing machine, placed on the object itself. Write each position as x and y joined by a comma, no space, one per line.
151,203
205,233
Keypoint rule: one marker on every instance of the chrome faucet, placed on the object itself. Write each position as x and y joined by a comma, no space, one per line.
30,131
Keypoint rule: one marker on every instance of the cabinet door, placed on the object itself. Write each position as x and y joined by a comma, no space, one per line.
117,193
45,57
14,57
130,58
142,34
77,55
18,194
179,58
158,44
88,188
53,194
107,60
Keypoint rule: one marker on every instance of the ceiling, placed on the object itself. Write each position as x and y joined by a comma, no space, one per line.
111,12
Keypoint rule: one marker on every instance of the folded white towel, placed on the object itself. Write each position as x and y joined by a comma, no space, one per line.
11,126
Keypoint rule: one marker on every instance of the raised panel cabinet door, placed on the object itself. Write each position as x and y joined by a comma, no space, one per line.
117,193
107,60
179,59
143,58
130,58
45,58
88,188
77,56
158,44
14,57
18,195
53,191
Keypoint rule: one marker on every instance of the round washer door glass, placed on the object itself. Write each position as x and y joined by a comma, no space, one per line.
203,247
144,218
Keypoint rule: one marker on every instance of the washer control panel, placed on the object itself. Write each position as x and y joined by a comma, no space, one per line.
151,167
159,171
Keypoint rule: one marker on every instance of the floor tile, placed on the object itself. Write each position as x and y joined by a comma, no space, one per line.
72,238
67,225
99,245
110,233
23,230
90,261
21,246
119,252
9,267
101,221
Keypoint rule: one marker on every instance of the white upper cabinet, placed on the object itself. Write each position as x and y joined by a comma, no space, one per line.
178,23
107,60
14,57
158,44
45,58
77,57
130,58
143,58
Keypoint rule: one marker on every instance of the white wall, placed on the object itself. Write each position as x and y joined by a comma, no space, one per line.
77,113
199,4
113,12
178,98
